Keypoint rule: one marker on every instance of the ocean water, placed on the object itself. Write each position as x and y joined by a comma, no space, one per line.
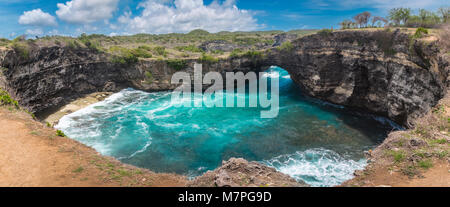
314,141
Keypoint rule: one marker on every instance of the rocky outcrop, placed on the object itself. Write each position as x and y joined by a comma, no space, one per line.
218,45
49,77
282,38
383,72
238,172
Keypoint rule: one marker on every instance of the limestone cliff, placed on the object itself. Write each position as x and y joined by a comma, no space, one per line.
382,72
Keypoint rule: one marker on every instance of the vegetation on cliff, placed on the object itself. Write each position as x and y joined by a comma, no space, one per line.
412,152
5,99
400,17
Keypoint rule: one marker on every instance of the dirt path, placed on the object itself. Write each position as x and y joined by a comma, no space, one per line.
32,155
437,176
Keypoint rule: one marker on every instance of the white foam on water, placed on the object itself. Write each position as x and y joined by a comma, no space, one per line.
149,142
317,167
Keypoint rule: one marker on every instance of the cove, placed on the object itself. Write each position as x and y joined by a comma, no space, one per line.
314,141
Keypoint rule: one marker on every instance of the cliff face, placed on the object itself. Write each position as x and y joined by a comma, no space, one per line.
382,72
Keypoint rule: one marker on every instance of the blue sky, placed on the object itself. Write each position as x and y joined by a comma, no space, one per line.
122,17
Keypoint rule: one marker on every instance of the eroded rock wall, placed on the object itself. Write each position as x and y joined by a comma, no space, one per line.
387,73
382,72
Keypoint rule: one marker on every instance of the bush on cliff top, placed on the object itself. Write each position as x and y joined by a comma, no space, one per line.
325,32
177,64
420,32
5,99
286,46
22,48
208,58
4,42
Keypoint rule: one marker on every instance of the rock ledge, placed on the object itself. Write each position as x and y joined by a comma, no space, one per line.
238,172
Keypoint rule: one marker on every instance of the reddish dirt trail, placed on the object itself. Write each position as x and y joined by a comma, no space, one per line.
32,155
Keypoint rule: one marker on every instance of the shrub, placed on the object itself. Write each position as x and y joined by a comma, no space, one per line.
123,55
159,50
286,46
5,99
253,54
149,77
208,58
59,133
420,32
145,47
198,32
398,156
325,32
21,48
4,42
246,40
236,52
177,64
425,164
142,53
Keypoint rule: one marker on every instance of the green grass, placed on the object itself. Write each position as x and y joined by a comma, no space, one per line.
286,46
425,164
5,99
253,54
420,32
149,77
123,172
22,48
398,156
78,170
208,58
4,42
59,133
160,50
325,32
439,141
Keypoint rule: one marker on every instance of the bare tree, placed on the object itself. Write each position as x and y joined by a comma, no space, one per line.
445,13
362,19
378,19
346,24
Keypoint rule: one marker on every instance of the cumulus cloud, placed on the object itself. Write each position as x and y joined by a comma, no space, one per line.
86,11
166,16
37,17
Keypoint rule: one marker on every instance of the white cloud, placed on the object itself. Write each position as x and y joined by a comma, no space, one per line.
86,11
34,32
37,17
161,16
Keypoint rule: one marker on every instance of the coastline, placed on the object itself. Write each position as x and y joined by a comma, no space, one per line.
78,104
379,172
37,157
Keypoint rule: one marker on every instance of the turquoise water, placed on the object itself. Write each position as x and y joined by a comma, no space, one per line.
310,140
